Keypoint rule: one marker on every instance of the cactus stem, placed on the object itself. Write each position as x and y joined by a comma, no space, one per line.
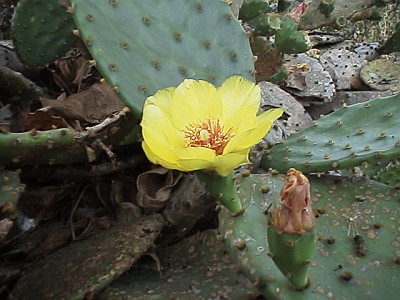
223,189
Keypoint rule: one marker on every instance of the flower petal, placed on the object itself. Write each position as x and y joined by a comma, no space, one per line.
156,123
225,164
241,100
195,158
162,100
249,138
193,102
155,159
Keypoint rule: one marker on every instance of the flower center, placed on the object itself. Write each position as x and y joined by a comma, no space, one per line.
209,134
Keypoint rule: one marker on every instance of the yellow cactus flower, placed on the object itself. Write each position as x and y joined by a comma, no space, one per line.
197,126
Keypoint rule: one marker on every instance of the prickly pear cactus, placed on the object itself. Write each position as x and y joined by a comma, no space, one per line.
10,190
360,134
83,268
143,46
357,238
251,9
57,146
325,12
42,31
390,175
289,40
196,267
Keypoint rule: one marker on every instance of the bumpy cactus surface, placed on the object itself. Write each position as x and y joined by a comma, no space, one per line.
325,12
390,175
42,31
360,134
57,146
291,232
357,238
251,9
11,189
81,269
197,268
289,40
143,46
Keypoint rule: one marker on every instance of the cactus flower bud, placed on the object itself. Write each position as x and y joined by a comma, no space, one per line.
294,215
291,234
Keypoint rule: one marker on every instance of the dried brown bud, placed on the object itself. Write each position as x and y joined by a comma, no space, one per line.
294,214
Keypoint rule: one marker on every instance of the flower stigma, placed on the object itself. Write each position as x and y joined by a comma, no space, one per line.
208,134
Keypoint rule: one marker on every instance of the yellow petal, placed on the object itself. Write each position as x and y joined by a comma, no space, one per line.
225,164
247,139
194,164
156,125
162,100
195,153
159,148
241,100
195,158
194,101
155,159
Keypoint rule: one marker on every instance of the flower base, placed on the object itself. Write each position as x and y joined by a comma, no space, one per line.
223,189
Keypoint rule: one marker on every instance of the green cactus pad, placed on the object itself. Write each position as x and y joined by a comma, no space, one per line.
358,249
390,175
42,31
360,134
266,25
251,9
10,190
195,268
316,17
85,267
326,7
292,254
283,5
289,40
57,146
143,46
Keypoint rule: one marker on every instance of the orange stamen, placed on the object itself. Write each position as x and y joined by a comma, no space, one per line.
209,134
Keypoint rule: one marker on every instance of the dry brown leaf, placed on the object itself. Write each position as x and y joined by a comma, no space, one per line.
42,119
92,105
155,188
70,71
